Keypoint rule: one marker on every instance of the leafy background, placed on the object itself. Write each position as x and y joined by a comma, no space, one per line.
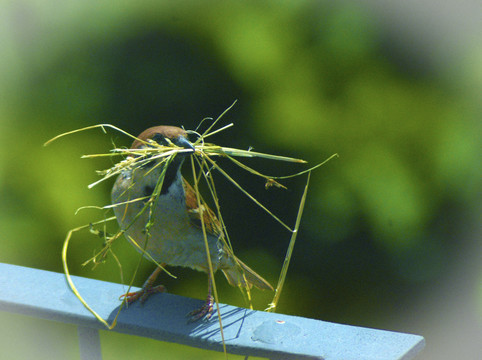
390,237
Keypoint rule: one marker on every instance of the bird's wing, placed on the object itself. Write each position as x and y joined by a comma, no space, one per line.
211,223
237,273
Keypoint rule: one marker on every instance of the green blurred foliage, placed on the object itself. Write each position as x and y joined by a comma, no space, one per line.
312,78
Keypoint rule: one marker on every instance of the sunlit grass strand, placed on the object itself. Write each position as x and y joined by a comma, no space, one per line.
284,271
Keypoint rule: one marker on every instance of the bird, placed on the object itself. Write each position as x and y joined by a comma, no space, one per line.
167,224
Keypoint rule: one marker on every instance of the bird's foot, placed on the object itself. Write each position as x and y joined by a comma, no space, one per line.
147,289
205,311
142,294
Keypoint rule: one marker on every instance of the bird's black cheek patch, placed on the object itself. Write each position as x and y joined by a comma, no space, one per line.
148,164
161,140
148,190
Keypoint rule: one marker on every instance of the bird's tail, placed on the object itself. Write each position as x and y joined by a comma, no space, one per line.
240,274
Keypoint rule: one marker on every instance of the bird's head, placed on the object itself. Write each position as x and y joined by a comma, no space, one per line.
163,135
167,136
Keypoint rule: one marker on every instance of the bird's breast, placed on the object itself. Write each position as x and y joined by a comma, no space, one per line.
160,225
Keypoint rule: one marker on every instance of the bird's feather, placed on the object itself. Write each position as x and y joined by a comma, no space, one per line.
211,223
237,273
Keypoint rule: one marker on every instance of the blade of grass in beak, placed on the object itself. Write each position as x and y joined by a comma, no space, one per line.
208,254
218,130
71,283
216,166
251,154
102,126
219,118
289,253
307,170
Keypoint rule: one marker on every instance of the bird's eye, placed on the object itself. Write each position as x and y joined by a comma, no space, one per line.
161,140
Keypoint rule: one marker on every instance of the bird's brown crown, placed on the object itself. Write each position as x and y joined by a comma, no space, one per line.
169,132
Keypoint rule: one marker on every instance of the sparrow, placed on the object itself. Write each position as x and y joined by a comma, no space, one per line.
169,230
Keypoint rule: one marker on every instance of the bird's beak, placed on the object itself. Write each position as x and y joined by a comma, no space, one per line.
185,143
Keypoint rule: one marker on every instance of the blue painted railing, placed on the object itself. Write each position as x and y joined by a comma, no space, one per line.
46,295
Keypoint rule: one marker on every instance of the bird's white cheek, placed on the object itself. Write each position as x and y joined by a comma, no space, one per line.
121,184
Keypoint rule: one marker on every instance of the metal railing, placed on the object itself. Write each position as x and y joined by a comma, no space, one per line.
46,295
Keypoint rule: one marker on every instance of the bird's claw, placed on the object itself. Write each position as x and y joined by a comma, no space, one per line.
142,294
205,311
